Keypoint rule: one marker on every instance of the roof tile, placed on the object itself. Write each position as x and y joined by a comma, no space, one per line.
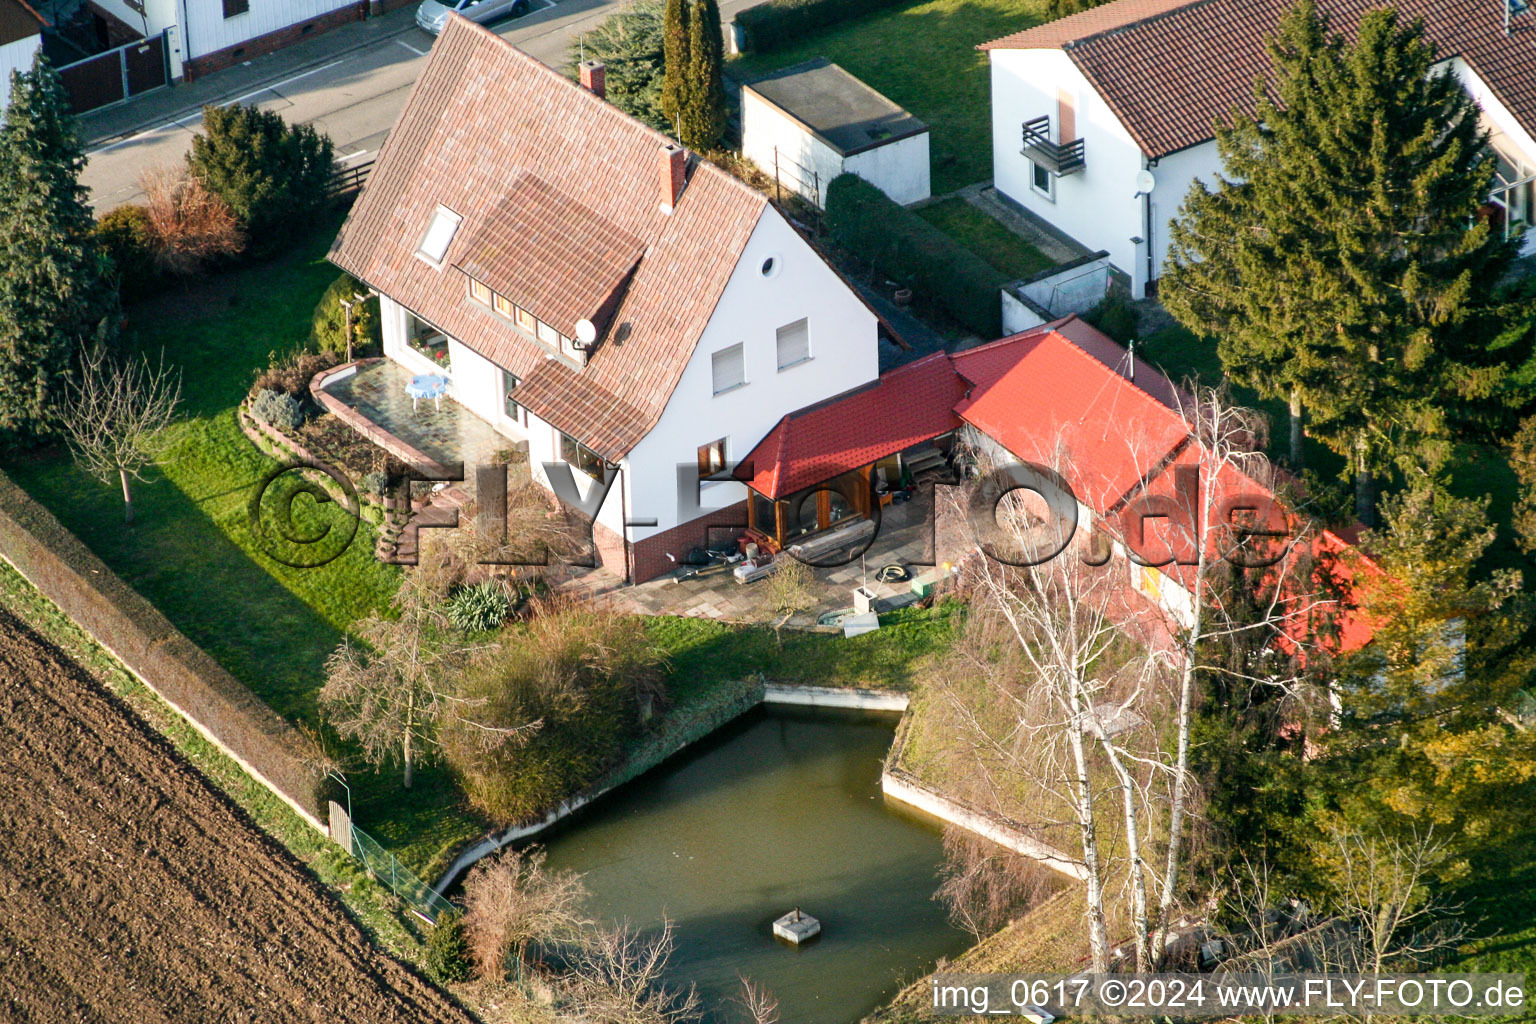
1169,69
482,119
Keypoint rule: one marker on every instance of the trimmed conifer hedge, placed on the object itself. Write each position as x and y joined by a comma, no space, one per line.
780,22
903,246
121,620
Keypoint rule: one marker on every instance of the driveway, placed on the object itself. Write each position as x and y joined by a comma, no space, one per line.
350,82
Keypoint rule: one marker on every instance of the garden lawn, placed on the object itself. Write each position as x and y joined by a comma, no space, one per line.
192,552
1009,254
922,56
894,657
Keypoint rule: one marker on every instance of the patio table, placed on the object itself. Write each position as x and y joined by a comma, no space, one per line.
427,385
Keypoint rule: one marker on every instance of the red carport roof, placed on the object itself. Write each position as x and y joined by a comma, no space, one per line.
907,406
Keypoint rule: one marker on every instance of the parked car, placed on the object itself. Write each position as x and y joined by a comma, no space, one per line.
433,14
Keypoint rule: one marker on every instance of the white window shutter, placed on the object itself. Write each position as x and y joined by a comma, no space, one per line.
794,343
730,369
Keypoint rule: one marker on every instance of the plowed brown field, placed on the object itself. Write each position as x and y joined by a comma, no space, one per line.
131,890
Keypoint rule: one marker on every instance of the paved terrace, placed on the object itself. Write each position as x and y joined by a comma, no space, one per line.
905,537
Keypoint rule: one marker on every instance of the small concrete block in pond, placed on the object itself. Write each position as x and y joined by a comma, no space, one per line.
797,927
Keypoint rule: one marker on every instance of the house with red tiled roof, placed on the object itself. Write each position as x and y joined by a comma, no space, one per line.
635,314
1102,121
21,36
1062,396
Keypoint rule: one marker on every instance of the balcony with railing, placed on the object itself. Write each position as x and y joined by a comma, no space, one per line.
1060,158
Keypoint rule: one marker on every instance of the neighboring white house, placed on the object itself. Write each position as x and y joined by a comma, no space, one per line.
809,123
630,310
21,36
1102,121
207,35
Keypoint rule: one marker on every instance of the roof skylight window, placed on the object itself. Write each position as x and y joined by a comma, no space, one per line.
434,244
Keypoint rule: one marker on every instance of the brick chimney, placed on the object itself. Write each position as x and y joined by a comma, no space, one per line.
593,78
674,167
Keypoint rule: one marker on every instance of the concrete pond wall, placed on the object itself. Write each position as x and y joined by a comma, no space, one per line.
738,699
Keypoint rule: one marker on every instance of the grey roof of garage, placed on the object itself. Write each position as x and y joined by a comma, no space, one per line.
845,113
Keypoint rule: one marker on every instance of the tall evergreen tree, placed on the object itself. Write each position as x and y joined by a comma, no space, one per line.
676,61
702,120
1341,259
1432,723
56,286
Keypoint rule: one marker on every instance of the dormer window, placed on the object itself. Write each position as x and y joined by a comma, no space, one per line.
479,292
440,232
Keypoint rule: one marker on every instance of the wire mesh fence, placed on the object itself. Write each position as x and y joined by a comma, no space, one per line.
386,868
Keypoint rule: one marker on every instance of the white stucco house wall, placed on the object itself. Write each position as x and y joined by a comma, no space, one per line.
1101,121
805,125
627,309
21,36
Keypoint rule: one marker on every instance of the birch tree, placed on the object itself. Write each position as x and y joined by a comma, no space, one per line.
1089,692
1064,686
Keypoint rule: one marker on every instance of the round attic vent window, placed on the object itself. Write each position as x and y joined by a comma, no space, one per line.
770,266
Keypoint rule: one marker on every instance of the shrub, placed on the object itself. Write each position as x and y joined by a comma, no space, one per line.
290,373
328,326
1115,316
479,607
570,684
128,237
278,410
272,174
901,244
376,483
190,226
448,955
781,22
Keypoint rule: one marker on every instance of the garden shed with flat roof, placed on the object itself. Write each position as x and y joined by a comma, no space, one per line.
809,123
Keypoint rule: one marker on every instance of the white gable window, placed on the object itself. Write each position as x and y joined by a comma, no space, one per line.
794,343
434,244
730,369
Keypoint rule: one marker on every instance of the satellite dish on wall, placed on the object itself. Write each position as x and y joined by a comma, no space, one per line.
1145,182
586,332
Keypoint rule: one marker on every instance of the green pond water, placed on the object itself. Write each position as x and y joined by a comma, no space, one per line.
780,809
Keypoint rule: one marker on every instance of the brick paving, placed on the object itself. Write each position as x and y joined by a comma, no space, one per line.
905,538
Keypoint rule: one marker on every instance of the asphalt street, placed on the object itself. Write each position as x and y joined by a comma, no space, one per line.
350,82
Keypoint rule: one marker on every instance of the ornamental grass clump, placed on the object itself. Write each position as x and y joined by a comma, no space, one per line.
479,607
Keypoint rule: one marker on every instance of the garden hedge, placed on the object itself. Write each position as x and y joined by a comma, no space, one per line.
903,246
121,620
780,22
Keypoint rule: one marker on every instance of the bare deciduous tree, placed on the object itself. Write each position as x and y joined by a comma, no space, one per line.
618,973
789,591
1082,721
1381,886
513,903
390,691
984,884
115,417
760,1004
191,225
